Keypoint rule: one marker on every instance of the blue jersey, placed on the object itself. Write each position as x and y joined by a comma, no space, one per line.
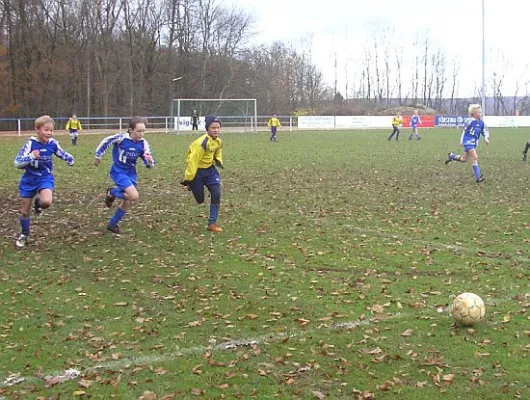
42,165
415,120
125,152
473,129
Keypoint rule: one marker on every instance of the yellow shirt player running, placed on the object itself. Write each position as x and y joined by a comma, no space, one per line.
274,124
204,155
74,126
397,121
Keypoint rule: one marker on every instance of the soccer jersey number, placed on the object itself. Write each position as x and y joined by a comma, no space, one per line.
122,156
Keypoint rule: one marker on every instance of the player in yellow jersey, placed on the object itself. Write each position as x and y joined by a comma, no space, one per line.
397,121
204,155
274,124
74,126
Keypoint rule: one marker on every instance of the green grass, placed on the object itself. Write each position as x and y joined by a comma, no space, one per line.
321,228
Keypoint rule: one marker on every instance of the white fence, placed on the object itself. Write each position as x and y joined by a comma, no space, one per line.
160,124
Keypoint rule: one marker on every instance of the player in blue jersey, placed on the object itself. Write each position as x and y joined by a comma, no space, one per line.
473,129
415,120
127,148
35,158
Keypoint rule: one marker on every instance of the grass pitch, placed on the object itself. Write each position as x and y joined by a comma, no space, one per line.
339,251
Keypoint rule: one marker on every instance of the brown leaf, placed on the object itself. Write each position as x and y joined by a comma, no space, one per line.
378,309
481,355
448,379
421,384
319,395
85,383
121,304
407,333
223,386
507,318
251,316
147,395
197,392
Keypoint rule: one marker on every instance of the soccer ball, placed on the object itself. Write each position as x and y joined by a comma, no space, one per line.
467,309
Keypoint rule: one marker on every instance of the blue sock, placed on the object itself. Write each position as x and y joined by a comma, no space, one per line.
453,156
476,171
117,217
214,211
24,224
120,194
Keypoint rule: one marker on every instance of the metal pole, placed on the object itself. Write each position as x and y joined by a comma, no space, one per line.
255,115
483,58
19,127
178,116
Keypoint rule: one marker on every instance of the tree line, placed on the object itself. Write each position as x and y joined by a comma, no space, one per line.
119,57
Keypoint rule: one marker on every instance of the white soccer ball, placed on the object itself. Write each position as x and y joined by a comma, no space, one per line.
467,309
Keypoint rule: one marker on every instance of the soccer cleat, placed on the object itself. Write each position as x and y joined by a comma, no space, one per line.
214,228
449,159
22,240
114,229
36,207
524,157
480,179
109,198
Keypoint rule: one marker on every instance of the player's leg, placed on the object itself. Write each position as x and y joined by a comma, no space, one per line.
393,132
24,220
215,205
411,133
126,189
525,152
455,157
45,198
273,134
398,131
476,169
122,182
417,133
76,135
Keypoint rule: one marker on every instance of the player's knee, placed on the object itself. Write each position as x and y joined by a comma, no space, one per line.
199,197
45,203
215,192
132,196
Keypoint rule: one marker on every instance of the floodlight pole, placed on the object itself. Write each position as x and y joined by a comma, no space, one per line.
483,58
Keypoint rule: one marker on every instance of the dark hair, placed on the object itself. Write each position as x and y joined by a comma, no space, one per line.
135,121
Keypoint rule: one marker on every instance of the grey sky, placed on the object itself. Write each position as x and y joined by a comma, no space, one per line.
343,27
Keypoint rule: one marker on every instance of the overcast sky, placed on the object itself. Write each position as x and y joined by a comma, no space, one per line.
344,26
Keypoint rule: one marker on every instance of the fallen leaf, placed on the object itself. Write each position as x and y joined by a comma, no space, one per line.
319,395
147,395
197,392
121,304
252,316
448,379
407,333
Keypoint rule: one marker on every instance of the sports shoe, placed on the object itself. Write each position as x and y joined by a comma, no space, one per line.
114,229
37,208
480,179
524,157
214,228
449,159
22,240
109,198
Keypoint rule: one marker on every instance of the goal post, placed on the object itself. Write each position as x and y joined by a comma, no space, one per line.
237,115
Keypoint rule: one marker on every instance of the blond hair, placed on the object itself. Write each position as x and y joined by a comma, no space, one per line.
473,108
41,121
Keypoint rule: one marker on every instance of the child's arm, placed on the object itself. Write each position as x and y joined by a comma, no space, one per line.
269,122
279,123
25,156
63,155
194,156
486,134
105,144
147,157
218,156
67,127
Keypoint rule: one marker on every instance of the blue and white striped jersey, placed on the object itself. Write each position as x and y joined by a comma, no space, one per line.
125,152
41,165
473,129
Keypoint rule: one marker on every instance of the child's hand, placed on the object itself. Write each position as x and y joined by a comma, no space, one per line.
148,158
35,154
97,161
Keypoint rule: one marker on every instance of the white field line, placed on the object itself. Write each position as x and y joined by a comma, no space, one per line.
16,379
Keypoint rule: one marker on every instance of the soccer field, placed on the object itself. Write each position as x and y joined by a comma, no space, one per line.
339,252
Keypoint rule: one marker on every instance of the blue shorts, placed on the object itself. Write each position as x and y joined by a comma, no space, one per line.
274,129
206,177
122,179
414,127
30,185
468,147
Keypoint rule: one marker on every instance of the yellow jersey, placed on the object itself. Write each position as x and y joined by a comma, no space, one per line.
274,122
202,154
73,124
397,121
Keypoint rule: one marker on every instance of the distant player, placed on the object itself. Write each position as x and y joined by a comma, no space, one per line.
127,148
274,124
74,126
415,120
195,121
35,158
473,129
397,121
204,155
